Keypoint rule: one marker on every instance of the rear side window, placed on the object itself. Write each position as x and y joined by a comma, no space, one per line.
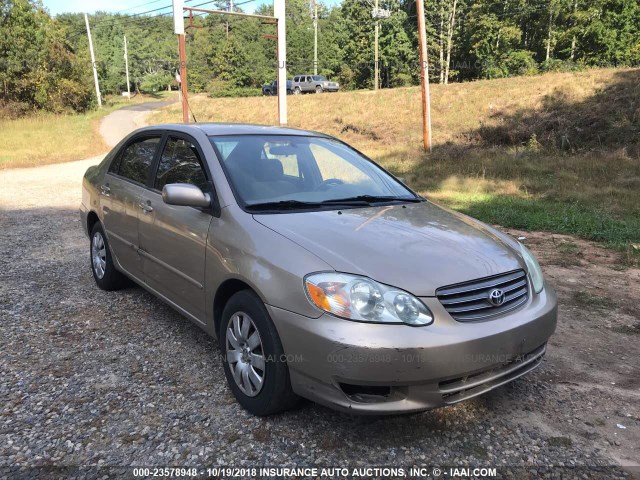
136,160
180,163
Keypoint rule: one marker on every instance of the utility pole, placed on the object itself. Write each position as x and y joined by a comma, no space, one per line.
377,14
178,29
424,77
93,62
126,67
376,74
229,9
182,51
279,13
315,37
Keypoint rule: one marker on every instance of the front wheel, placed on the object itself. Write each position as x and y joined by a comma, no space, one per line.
319,89
297,91
254,361
104,271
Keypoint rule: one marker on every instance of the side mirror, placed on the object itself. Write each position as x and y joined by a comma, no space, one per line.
186,195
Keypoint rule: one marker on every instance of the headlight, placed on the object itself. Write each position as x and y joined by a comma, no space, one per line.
360,298
537,278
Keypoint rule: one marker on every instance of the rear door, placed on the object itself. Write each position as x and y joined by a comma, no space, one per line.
121,192
309,84
173,238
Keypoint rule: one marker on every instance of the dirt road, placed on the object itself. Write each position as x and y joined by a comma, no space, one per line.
115,126
95,378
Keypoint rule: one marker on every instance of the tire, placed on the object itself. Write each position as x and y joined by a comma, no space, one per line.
297,91
242,350
102,267
319,89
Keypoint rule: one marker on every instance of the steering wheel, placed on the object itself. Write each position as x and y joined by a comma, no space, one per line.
328,182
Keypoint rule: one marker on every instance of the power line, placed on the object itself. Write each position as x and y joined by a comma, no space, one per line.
137,6
115,19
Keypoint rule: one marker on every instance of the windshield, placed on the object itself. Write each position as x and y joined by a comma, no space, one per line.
289,172
320,78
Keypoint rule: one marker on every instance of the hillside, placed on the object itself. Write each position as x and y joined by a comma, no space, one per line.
557,152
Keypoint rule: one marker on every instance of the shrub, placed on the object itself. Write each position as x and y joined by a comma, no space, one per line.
521,62
155,82
10,110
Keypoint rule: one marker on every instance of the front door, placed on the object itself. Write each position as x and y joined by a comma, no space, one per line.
173,238
121,193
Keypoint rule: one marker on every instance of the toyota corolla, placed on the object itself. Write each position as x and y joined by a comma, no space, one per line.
321,274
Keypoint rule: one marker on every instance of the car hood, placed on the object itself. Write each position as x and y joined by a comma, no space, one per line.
415,247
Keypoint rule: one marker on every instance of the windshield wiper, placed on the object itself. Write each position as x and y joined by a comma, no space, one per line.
358,201
369,199
283,205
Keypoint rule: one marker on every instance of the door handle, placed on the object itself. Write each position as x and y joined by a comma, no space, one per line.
146,207
105,189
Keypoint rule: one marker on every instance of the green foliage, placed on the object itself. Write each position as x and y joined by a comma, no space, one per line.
155,82
520,62
231,64
221,89
38,66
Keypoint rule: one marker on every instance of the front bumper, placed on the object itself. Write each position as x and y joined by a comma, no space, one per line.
377,369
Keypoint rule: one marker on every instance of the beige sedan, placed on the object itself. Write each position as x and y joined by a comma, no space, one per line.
322,275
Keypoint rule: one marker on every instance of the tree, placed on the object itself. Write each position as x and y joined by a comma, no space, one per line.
39,67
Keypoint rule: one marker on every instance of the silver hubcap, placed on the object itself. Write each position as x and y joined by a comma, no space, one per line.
245,354
98,255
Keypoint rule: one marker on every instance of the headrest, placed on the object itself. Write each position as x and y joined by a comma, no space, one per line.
272,169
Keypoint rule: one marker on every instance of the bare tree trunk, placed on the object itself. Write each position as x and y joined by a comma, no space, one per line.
504,11
550,29
573,40
441,41
450,29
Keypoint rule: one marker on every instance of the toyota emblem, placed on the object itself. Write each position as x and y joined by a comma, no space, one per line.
496,297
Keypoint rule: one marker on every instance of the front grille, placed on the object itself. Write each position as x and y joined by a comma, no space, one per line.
469,301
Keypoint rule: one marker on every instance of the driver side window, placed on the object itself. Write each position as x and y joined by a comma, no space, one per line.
180,163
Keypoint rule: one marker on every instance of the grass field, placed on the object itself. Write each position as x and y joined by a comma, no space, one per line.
557,152
48,138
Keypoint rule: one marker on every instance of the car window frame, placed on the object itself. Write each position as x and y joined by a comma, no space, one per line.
215,203
163,135
141,137
168,136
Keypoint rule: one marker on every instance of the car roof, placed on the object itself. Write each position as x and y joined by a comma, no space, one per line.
216,129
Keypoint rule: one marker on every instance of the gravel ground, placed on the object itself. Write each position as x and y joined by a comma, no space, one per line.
95,378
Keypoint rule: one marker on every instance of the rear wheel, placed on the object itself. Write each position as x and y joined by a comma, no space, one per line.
104,271
254,361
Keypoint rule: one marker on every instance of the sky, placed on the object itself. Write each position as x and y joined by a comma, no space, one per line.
130,7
